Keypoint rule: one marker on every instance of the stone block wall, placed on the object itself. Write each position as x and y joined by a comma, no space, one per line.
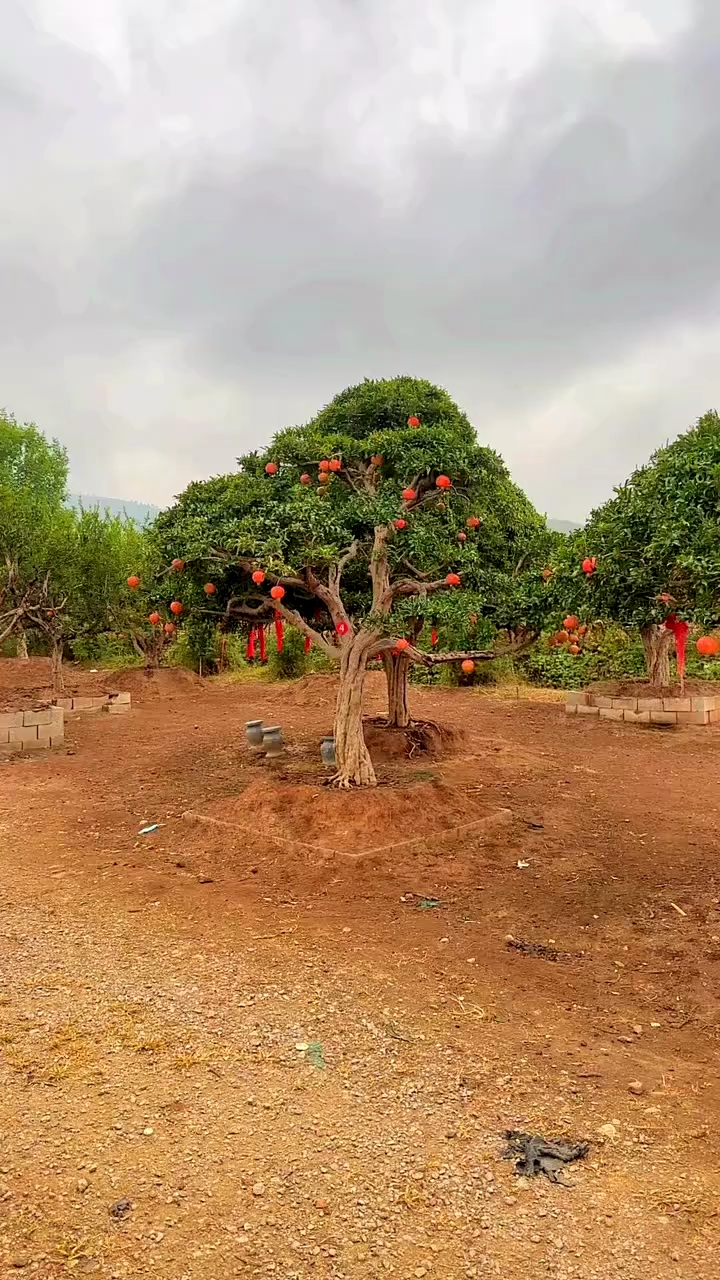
116,704
31,730
670,711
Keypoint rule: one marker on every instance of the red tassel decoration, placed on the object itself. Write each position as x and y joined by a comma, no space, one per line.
250,651
261,635
433,636
308,644
680,631
279,632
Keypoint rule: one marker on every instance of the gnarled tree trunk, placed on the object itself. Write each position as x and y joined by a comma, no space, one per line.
354,766
657,644
21,650
397,669
58,684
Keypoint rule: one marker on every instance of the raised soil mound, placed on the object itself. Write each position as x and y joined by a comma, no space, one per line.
351,824
24,685
643,689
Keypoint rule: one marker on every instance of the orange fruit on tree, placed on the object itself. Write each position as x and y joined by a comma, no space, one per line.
708,646
468,666
178,565
271,468
570,623
133,582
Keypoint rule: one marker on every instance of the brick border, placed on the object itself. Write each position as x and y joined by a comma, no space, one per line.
44,727
677,711
116,704
31,730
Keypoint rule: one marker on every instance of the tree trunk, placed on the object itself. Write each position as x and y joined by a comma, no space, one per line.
657,643
58,684
397,669
354,766
22,649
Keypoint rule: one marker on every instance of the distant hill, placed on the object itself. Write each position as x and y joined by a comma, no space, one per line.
563,526
141,512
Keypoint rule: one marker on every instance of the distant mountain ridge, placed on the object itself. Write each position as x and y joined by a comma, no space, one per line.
140,512
143,512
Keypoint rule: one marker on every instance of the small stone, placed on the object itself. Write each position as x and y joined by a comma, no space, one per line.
636,1087
259,1189
420,1272
608,1131
535,1239
321,1204
510,1199
637,1029
148,1132
625,1039
82,1184
19,1263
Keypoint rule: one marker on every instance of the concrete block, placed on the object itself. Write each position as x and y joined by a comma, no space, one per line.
37,717
663,717
588,711
9,719
713,717
677,704
625,704
118,708
636,717
611,713
24,734
82,704
651,704
698,704
599,700
100,700
575,698
64,704
692,717
571,708
4,736
43,740
57,716
124,698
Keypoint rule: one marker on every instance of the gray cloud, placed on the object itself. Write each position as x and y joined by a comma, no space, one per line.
213,230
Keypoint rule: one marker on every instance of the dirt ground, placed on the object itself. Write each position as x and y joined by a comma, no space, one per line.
282,1034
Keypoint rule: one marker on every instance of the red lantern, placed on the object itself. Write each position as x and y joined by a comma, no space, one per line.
453,579
277,593
133,582
443,482
708,646
169,628
154,618
473,522
271,468
324,465
589,565
468,666
462,537
335,464
402,644
409,495
178,565
305,478
413,421
342,628
176,608
400,524
258,577
570,623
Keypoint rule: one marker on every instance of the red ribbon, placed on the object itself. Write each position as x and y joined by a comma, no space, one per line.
308,644
261,634
433,636
279,632
680,631
250,652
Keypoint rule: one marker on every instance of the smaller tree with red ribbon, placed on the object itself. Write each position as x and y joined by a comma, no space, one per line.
650,557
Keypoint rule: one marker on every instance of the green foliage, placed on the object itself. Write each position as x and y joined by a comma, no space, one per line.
225,527
292,662
607,654
659,535
108,651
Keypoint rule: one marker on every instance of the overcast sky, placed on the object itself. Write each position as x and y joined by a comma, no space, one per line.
215,216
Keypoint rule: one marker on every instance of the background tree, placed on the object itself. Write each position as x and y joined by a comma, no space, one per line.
340,523
653,550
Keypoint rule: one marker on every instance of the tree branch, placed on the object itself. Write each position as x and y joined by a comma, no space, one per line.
293,618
